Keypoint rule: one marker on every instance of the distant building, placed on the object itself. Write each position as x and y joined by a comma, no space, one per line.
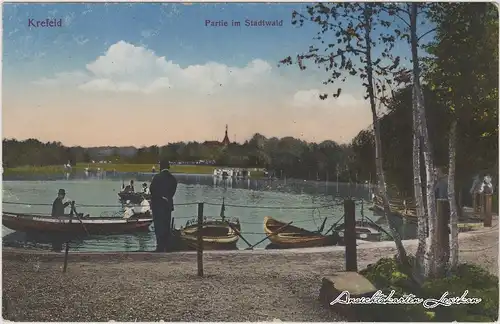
225,141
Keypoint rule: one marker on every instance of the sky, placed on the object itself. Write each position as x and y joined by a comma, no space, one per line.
149,74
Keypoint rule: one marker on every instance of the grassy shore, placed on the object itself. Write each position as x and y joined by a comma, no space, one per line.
118,167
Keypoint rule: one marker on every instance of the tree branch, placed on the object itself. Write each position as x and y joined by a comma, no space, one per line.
426,33
395,14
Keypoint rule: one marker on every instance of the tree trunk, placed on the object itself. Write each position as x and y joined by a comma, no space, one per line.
452,196
417,188
426,147
382,188
421,267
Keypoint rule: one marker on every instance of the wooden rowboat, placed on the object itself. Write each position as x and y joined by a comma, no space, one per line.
295,237
78,226
216,235
364,231
134,197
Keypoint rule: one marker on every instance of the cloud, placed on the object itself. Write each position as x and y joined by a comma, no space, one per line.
74,78
129,68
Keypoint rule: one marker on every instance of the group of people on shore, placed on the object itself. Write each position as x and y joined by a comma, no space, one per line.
162,189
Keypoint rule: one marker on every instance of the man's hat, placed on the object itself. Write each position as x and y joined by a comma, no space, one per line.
61,192
164,164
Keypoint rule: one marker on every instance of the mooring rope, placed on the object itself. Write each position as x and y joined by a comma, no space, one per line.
276,207
84,205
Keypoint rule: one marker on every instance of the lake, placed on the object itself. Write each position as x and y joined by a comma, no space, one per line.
287,200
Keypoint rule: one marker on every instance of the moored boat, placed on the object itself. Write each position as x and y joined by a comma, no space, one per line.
216,235
30,223
295,237
364,231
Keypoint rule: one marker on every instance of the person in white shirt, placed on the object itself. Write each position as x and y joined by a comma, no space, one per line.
145,188
143,208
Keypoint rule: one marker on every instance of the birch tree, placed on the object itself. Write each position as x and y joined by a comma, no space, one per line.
464,72
405,24
353,28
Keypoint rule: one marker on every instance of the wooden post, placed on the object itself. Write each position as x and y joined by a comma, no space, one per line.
67,242
474,202
200,240
487,215
351,262
443,232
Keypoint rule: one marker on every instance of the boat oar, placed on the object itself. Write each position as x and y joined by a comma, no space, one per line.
334,226
322,226
268,236
238,233
73,209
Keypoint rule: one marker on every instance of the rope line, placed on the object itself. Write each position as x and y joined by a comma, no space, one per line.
276,207
188,204
294,221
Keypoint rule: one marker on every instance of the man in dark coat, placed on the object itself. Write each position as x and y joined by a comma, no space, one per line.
58,205
162,191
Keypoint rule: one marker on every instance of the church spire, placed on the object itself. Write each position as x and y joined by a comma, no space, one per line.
225,141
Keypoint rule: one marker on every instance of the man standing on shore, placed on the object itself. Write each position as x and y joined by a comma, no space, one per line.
162,190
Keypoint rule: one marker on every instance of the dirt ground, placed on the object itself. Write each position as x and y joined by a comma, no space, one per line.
237,286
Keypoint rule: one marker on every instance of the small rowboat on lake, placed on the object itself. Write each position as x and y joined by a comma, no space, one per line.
134,197
78,226
216,235
295,237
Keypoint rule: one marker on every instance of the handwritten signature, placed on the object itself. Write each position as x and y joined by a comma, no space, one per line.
408,299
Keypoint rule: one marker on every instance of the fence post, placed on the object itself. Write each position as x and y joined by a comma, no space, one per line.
200,240
487,216
351,262
67,242
443,231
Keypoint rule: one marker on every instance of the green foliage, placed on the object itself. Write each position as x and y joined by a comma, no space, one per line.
461,82
387,274
463,73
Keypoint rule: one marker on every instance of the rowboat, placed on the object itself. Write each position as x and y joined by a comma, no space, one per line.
216,235
364,231
76,226
134,197
295,237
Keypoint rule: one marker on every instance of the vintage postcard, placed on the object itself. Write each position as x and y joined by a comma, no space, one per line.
250,161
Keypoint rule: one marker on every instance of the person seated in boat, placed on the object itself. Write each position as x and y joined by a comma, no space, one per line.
145,188
58,205
143,208
129,187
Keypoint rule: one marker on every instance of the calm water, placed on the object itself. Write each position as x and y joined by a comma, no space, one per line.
281,196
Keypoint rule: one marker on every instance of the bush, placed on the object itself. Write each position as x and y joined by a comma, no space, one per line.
387,275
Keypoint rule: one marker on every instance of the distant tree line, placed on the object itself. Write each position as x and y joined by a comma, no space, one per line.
286,156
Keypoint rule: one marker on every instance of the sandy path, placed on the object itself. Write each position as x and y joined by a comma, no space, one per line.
238,286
